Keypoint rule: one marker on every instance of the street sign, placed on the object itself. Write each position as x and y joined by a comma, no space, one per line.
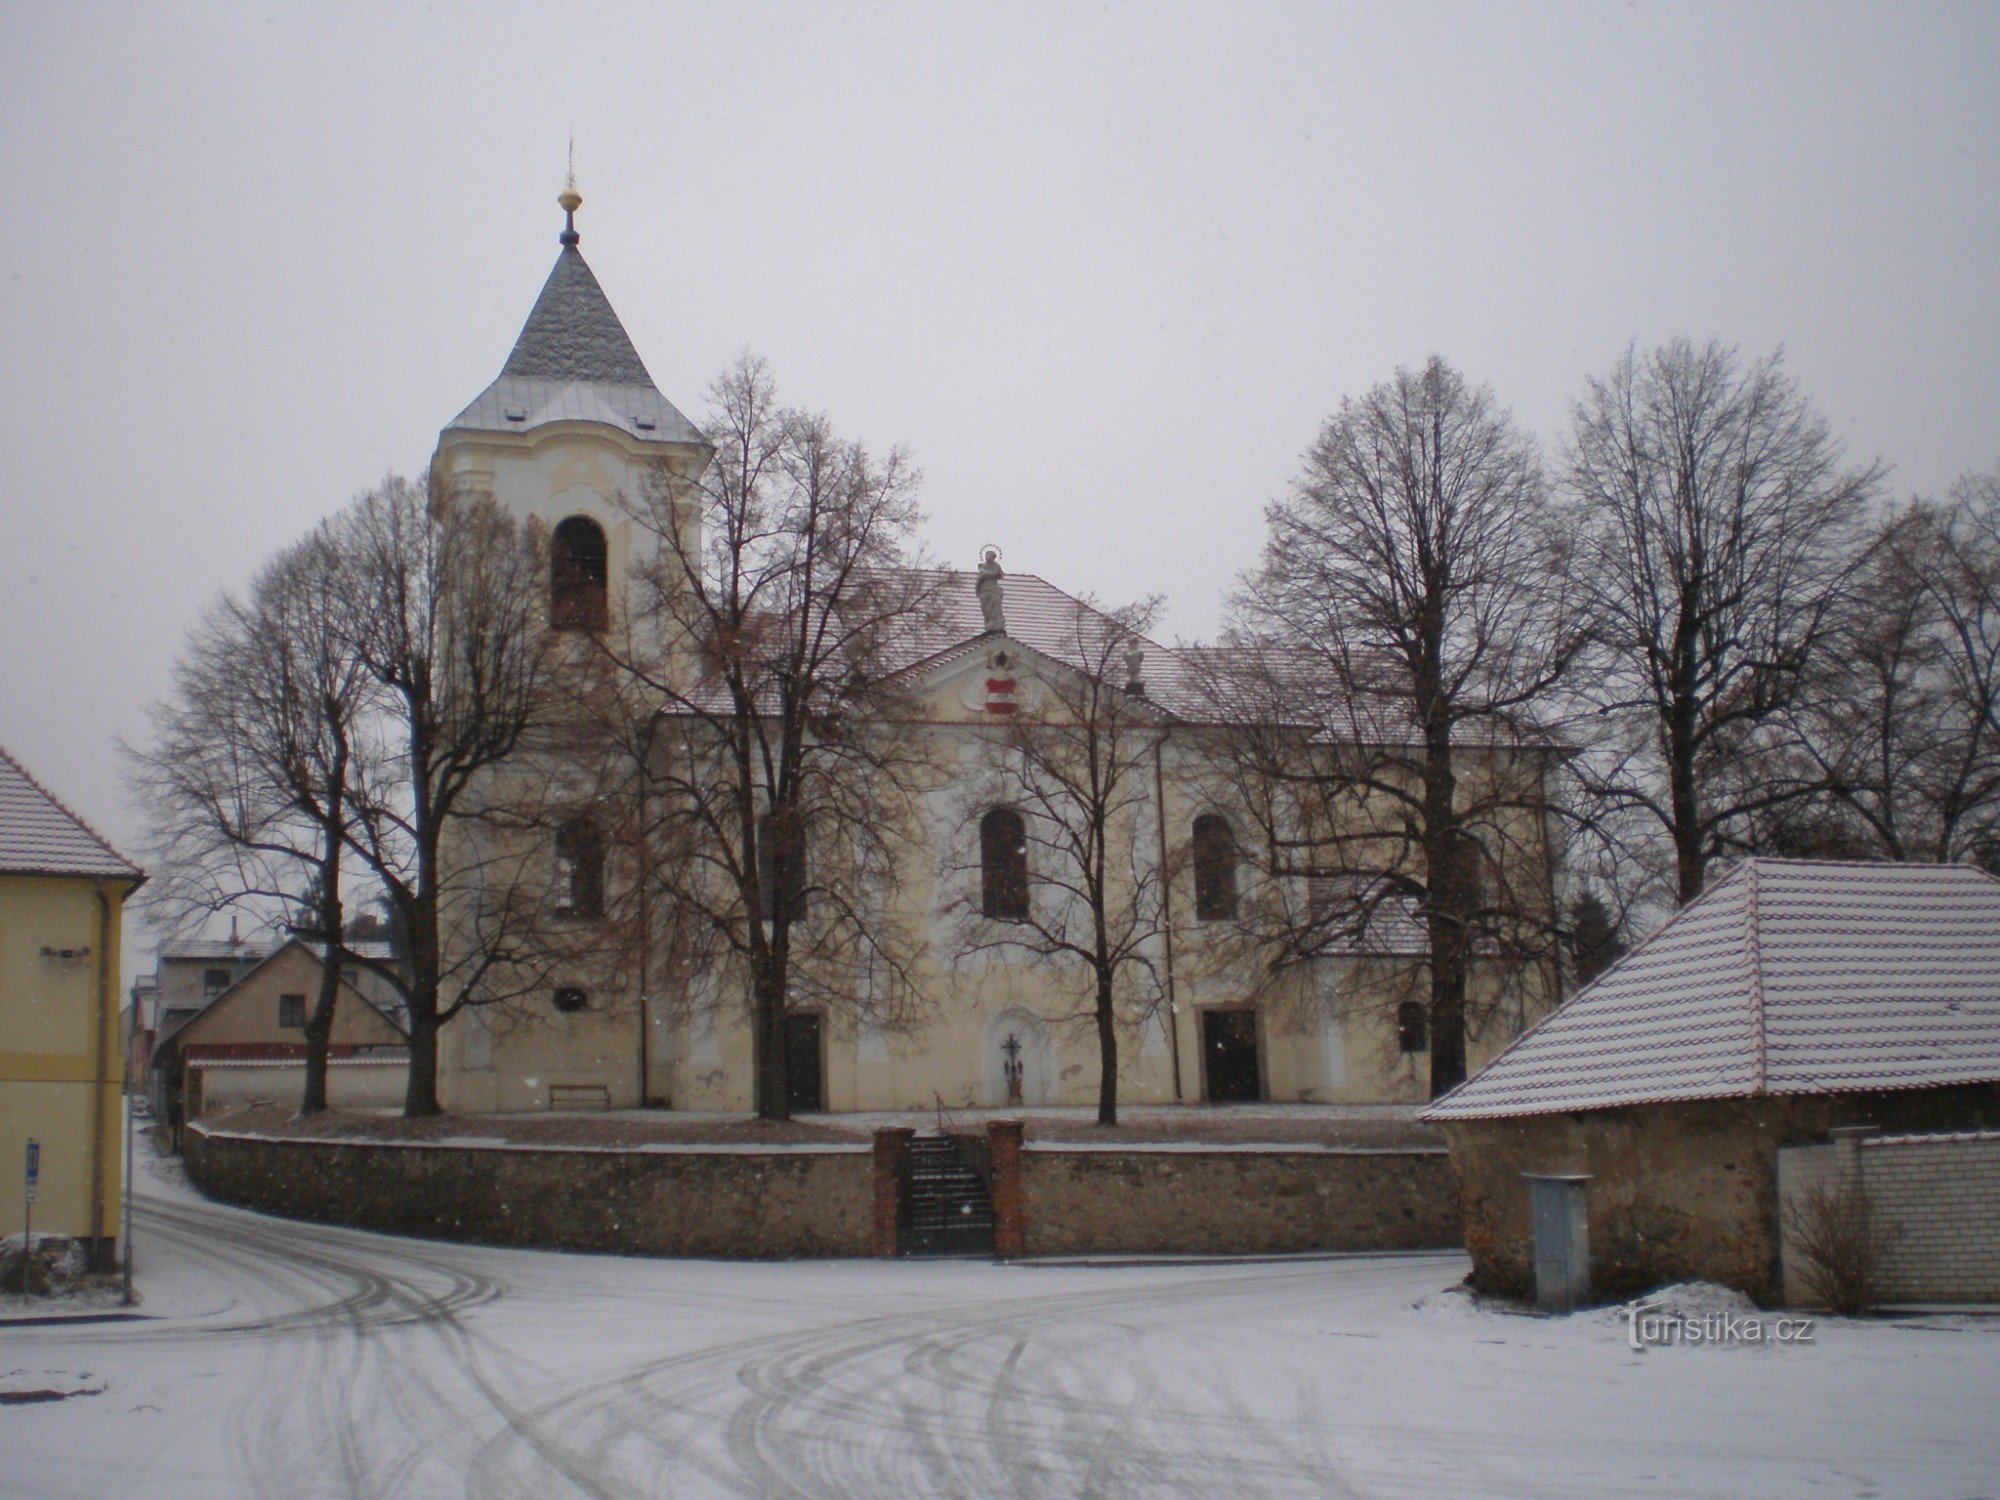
34,1168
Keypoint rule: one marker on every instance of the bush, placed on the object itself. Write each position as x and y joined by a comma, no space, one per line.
55,1266
1842,1242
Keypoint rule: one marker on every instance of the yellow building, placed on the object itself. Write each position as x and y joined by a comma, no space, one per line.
62,894
573,422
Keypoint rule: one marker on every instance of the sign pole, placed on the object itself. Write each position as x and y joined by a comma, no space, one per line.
34,1174
128,1193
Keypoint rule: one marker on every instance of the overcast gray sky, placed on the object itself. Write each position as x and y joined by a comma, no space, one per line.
1104,269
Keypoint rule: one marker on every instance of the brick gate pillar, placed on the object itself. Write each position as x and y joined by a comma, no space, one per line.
892,1154
1010,1216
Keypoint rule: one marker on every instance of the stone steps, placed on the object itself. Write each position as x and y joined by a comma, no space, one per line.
948,1210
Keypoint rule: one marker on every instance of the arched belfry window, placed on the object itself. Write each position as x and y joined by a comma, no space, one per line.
579,575
1003,865
781,866
579,869
1214,869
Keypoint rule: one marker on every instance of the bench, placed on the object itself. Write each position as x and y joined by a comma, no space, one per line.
579,1096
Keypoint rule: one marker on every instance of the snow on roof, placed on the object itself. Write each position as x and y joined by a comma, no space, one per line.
574,362
40,836
247,950
1784,977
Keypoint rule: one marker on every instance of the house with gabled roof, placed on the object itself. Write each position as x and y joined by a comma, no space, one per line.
247,1045
62,895
1791,999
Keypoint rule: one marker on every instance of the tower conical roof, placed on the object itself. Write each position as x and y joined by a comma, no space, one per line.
572,333
574,362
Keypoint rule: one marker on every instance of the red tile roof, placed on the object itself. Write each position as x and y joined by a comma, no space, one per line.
40,836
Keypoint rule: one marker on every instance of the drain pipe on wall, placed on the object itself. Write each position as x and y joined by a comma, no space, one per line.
101,1051
1167,914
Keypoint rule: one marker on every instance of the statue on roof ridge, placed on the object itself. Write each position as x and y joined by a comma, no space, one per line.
988,589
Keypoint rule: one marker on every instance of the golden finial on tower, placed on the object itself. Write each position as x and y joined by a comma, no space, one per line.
570,199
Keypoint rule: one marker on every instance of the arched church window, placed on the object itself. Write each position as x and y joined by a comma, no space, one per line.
1003,865
579,576
1214,869
579,869
781,866
1413,1027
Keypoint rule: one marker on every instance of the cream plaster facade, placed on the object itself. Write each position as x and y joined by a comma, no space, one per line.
686,1042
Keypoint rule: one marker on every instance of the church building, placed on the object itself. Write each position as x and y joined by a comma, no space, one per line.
574,422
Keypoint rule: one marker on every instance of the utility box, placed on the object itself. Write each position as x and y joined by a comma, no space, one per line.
1562,1241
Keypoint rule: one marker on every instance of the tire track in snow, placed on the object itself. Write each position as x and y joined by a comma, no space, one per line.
950,1401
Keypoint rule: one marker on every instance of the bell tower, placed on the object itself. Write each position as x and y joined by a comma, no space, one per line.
571,435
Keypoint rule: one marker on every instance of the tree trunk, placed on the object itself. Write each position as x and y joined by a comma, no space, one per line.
319,1033
1685,804
772,1063
1447,1011
420,1098
1448,908
1107,1053
319,1025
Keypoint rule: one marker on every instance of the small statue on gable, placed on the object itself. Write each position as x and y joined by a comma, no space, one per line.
988,589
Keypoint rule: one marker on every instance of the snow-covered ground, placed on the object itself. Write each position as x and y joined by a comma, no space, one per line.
298,1361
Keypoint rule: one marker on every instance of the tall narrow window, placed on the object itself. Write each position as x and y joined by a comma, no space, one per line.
781,866
1003,865
1413,1026
579,869
579,570
1214,869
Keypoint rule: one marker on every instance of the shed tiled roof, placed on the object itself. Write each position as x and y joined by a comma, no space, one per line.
1784,977
39,836
575,362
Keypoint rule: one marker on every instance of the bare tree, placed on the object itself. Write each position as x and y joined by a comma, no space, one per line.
443,595
250,770
1843,1243
1720,522
1397,650
1901,729
1060,826
776,604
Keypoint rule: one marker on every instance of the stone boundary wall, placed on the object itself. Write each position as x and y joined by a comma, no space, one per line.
1941,1195
764,1202
1215,1200
749,1202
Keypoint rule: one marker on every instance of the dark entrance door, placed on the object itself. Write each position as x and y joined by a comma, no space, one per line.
1229,1046
802,1074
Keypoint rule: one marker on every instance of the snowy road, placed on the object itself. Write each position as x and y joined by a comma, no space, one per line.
301,1361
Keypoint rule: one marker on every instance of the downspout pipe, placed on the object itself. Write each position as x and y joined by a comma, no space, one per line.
100,1081
1167,912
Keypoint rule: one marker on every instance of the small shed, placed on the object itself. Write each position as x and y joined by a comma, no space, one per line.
1791,998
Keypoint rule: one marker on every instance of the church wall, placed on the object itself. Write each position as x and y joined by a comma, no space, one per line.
1326,1030
1316,1042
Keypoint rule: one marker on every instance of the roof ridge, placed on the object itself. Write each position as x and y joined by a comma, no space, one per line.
1756,957
68,812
